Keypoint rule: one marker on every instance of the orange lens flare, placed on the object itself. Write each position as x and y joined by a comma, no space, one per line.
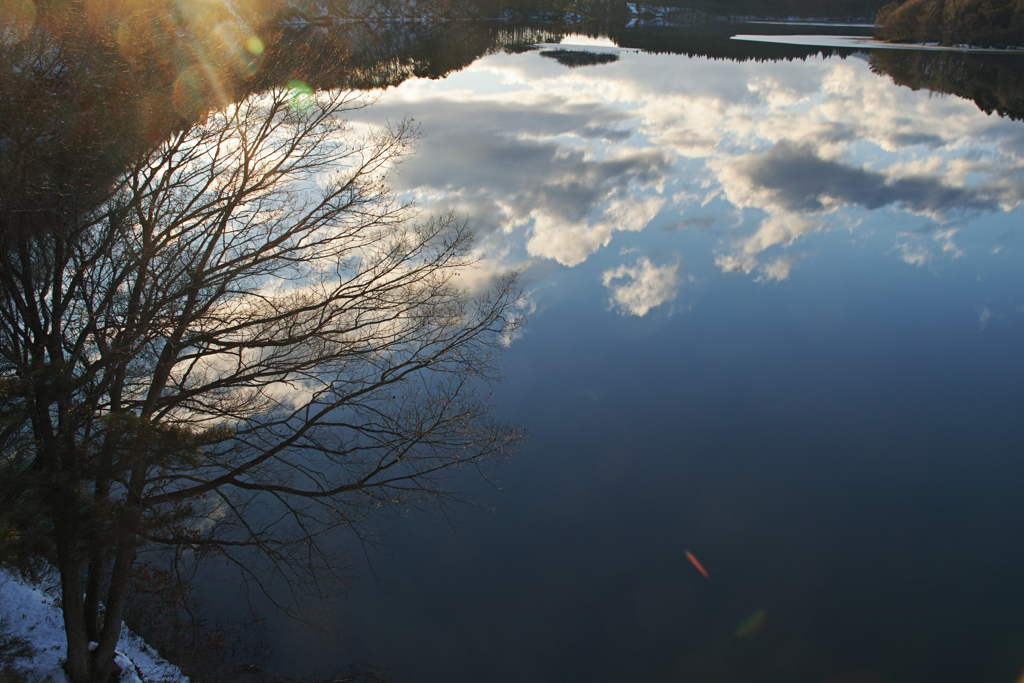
697,564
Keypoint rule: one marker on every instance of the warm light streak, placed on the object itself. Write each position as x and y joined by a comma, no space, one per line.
697,564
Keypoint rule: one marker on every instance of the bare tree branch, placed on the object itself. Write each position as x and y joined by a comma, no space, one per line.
248,347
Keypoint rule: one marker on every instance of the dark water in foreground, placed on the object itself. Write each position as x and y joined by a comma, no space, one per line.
777,314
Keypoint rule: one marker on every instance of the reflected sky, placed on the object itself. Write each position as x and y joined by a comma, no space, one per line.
777,321
555,164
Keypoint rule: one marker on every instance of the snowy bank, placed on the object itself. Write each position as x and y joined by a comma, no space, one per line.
32,614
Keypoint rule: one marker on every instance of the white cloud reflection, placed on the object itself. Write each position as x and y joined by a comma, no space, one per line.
638,288
778,269
551,164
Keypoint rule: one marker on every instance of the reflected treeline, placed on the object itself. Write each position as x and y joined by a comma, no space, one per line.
383,55
835,10
357,56
994,82
713,39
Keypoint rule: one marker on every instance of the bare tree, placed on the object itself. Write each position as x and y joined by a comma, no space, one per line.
250,345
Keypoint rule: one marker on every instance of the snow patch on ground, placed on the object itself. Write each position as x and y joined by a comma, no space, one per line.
31,614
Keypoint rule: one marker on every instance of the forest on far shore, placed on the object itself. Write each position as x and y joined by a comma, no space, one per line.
861,10
843,10
979,23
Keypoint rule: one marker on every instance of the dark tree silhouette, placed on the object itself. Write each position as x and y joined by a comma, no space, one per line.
245,347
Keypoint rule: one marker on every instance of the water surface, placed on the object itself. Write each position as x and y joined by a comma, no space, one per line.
776,320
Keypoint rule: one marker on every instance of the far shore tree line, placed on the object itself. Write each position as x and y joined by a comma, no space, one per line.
980,23
977,23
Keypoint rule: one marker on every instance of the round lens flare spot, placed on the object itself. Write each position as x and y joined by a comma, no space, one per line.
254,45
301,94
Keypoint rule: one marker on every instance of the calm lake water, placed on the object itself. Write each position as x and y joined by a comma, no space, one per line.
776,319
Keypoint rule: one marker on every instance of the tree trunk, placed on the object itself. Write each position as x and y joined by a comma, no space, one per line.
78,665
117,596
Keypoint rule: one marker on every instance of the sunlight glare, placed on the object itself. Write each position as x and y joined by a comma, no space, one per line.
20,19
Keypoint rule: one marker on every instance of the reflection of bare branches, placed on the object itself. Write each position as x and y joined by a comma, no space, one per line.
250,346
166,614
